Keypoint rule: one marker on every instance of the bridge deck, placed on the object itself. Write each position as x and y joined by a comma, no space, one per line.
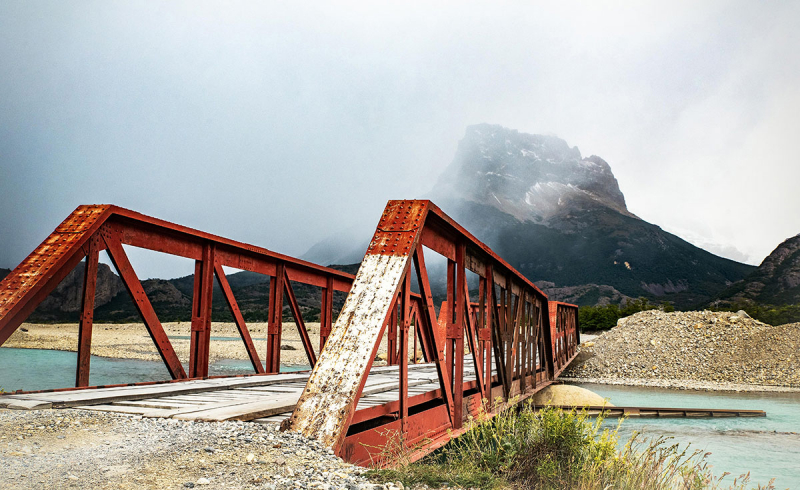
265,398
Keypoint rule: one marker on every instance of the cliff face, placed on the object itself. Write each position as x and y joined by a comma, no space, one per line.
531,177
776,281
67,297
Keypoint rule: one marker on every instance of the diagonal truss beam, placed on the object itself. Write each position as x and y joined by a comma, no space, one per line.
233,306
120,260
298,320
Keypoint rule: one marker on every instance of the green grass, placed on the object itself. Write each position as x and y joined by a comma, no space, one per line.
553,449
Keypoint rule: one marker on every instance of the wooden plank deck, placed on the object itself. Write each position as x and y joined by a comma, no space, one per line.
263,399
270,399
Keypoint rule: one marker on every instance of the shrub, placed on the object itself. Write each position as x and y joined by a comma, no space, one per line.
593,318
771,314
554,449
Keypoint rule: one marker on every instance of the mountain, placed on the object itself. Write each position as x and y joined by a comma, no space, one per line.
533,178
172,298
775,282
584,295
559,217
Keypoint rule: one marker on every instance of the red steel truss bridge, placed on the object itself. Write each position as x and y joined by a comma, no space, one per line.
496,337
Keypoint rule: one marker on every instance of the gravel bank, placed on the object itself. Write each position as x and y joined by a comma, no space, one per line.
131,340
81,449
695,350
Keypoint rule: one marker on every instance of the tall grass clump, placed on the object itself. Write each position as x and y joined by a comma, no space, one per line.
524,448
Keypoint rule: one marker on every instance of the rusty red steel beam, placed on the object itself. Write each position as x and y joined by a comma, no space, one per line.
93,228
140,300
233,306
298,320
87,313
511,342
200,338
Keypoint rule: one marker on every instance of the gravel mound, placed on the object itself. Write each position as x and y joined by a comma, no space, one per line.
696,346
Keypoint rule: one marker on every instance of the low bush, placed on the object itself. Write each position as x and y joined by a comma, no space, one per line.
594,318
770,314
553,449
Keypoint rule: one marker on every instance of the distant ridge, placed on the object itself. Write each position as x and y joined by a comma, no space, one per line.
775,282
172,298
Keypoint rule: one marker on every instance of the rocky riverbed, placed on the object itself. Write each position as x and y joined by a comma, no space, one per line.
696,350
80,449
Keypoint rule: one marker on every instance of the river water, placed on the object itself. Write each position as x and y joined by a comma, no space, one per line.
768,447
40,369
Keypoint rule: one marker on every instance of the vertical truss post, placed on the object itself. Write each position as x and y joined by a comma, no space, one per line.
520,339
461,304
472,338
524,343
405,323
274,326
199,344
537,333
326,313
498,340
449,325
87,315
515,309
415,316
486,332
391,337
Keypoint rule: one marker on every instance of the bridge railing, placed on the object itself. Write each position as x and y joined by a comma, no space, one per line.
506,329
92,229
564,331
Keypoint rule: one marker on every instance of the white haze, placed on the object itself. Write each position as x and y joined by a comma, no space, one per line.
277,123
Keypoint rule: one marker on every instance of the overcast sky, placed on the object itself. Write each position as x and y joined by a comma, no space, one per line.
277,123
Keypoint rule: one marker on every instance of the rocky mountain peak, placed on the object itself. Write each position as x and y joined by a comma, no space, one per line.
786,259
776,281
529,176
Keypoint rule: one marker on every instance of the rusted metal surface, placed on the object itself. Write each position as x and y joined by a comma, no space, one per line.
329,400
516,346
327,405
41,271
87,314
91,229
